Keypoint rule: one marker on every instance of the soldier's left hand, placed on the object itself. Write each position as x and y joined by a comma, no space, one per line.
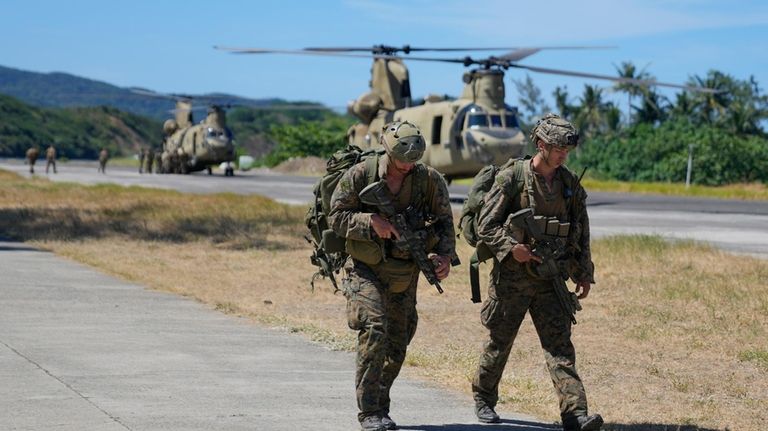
442,266
582,289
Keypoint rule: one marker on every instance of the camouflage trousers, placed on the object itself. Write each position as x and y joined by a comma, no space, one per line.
512,294
386,323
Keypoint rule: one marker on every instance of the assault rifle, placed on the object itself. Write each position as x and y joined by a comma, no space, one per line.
376,196
551,250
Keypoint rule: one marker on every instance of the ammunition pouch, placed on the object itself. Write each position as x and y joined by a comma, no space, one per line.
396,274
331,242
368,252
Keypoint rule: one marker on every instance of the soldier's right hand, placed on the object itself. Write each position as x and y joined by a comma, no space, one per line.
383,228
522,253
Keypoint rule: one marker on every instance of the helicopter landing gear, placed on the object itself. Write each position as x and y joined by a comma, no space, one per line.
229,171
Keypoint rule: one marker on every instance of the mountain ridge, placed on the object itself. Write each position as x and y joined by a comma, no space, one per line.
65,90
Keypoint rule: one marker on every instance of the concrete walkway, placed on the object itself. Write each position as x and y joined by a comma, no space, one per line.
81,351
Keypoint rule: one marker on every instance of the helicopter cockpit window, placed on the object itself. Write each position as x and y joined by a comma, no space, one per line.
511,121
477,119
496,120
216,133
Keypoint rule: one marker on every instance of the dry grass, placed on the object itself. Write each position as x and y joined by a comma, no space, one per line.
673,336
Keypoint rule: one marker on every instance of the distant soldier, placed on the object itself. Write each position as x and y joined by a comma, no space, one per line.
32,155
103,157
166,158
142,155
50,159
150,160
158,162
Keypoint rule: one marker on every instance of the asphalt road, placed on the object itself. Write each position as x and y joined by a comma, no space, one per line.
733,225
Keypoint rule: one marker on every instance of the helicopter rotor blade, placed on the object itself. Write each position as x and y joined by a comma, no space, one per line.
506,61
641,82
296,52
386,49
519,54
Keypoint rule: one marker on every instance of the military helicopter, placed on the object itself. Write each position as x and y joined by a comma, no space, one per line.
463,135
189,147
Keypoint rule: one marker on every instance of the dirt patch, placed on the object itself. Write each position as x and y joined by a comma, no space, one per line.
312,166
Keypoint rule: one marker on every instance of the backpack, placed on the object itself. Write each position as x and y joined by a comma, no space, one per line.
481,184
329,252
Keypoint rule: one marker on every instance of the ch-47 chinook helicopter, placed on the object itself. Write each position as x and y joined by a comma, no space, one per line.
462,135
189,147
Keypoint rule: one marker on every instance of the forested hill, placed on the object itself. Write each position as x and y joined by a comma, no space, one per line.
76,132
62,90
82,132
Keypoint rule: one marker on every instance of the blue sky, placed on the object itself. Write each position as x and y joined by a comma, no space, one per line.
167,45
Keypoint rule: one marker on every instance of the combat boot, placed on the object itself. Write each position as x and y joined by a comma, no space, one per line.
372,423
583,423
486,414
387,421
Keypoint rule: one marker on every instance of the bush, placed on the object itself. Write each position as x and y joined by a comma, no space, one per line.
660,154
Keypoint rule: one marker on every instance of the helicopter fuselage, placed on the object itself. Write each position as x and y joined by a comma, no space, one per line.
200,146
462,135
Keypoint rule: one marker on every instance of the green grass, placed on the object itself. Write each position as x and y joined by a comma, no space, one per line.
760,357
756,191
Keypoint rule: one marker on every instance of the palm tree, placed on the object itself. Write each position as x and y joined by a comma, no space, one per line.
590,117
711,107
654,107
683,106
629,70
565,109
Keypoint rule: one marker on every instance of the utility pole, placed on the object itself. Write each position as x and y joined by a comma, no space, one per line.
690,166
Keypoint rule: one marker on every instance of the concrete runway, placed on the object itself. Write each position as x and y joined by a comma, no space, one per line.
82,351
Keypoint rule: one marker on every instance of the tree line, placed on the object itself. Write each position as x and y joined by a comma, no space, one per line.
651,139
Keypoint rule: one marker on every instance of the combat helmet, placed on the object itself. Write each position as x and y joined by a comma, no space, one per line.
556,131
403,141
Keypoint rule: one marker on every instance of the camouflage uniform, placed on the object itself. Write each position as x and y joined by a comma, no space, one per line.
158,162
50,159
103,157
32,155
513,291
142,156
150,159
381,297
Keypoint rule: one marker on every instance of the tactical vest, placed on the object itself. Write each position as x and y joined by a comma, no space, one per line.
394,267
522,188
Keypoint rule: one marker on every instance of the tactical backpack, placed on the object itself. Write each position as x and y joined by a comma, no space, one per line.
329,249
470,211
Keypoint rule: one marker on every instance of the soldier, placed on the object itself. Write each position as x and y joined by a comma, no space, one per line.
158,161
103,157
142,155
50,158
380,283
150,158
32,155
554,192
